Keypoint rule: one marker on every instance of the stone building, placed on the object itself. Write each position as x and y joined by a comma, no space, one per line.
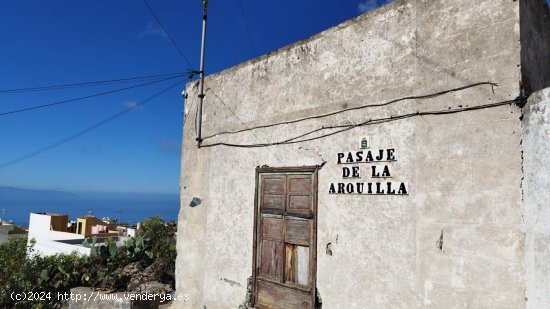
398,160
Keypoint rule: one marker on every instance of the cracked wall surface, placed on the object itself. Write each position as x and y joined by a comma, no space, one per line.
457,239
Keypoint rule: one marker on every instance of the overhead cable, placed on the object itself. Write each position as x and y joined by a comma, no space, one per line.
90,84
226,106
167,34
420,97
85,97
247,28
88,129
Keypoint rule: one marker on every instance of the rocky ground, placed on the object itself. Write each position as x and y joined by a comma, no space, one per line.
158,278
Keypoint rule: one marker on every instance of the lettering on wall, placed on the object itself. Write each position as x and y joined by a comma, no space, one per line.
378,169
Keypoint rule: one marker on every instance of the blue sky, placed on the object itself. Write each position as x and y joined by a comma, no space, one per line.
57,42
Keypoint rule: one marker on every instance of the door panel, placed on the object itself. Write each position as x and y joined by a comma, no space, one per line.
276,297
299,204
271,259
300,189
300,184
272,227
273,192
273,184
273,202
297,231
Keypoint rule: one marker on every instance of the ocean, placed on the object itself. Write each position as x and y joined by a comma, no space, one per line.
124,207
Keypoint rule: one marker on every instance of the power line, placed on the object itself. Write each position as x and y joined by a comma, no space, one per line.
426,96
86,130
247,28
89,84
85,97
348,127
168,34
226,106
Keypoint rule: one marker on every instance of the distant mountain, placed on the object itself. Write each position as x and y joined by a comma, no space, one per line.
17,194
129,196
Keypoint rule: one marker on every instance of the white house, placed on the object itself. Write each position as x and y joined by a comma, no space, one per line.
49,233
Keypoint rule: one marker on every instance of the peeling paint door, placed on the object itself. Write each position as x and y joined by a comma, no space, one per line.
285,238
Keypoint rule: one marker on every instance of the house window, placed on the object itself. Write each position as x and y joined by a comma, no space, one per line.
285,237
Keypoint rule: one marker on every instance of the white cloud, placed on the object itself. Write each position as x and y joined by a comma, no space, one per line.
130,104
133,105
152,29
368,5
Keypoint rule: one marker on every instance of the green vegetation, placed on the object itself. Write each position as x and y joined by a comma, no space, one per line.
164,245
36,275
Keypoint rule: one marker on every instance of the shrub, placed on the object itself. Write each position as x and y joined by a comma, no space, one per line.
21,272
163,234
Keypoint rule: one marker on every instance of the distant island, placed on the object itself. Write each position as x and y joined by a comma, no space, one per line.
17,203
18,194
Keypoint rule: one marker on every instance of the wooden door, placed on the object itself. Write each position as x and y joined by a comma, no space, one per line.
285,237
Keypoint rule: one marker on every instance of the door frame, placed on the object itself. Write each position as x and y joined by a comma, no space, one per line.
313,247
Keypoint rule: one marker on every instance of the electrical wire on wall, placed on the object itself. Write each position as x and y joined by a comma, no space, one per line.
520,101
420,97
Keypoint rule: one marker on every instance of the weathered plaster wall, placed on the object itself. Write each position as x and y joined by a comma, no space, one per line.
464,169
535,44
536,196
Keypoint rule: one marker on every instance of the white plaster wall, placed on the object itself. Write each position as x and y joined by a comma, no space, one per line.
51,247
131,232
39,228
536,196
464,169
44,238
56,235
